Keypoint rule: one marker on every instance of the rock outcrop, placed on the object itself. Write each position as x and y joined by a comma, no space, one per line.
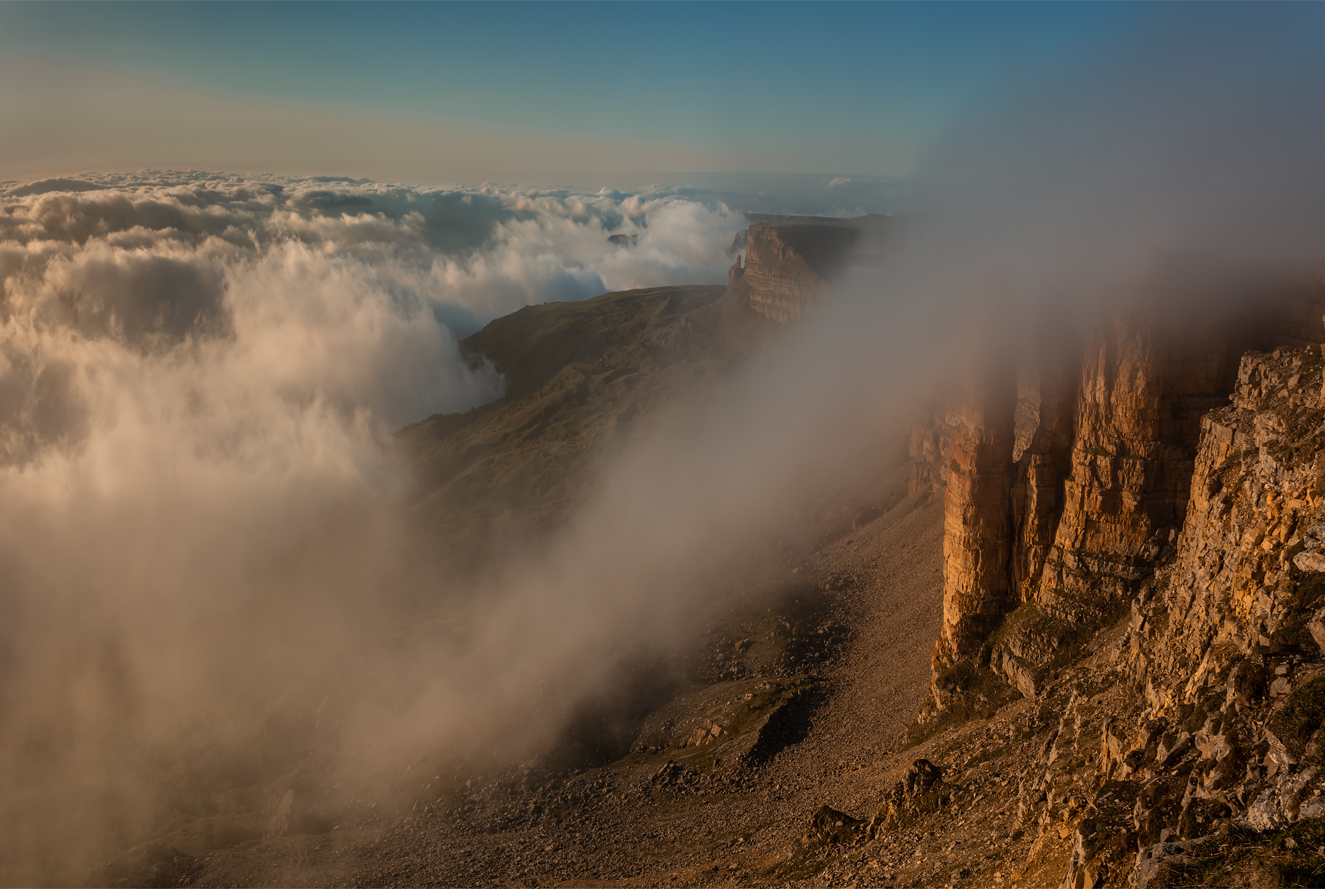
792,261
977,532
1062,498
734,273
1183,741
1220,650
789,265
1237,614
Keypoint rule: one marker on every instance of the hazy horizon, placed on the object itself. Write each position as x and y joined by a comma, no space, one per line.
472,92
202,374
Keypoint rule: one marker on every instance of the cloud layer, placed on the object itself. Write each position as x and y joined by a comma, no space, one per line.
198,378
348,294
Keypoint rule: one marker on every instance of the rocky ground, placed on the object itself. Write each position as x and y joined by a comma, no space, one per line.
1178,743
798,696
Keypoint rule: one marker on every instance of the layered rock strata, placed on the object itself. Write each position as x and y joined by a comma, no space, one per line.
1249,576
977,529
1076,513
789,265
1222,654
1044,462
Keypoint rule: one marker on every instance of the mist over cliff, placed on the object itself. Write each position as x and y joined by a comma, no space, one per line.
198,376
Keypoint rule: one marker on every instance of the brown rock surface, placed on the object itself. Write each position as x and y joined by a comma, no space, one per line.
1044,459
791,262
1239,576
788,265
1100,485
977,528
1138,420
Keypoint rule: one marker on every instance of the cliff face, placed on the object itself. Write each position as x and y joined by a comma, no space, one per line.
1049,534
1251,534
790,264
1179,739
1147,562
1100,495
1217,714
977,528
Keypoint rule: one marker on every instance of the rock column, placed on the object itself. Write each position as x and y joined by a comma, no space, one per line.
977,540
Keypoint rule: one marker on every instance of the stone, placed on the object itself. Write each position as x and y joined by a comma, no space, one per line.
279,824
1264,811
1312,808
920,792
1309,561
828,826
1101,485
1169,756
977,538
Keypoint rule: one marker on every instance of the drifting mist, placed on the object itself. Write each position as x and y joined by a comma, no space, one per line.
198,376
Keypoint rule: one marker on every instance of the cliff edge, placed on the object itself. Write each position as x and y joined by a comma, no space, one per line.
791,262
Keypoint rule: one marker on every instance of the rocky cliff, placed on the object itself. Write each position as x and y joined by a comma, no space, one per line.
1148,564
977,529
1190,746
1049,534
791,262
1133,605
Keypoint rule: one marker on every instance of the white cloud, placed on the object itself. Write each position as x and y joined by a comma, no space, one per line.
199,375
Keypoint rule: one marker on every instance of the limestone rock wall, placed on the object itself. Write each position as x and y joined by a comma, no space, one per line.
977,539
1252,542
788,266
1141,397
1225,645
1185,737
1043,462
1174,642
1094,497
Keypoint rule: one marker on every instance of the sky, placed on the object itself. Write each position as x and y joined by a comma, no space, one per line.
549,93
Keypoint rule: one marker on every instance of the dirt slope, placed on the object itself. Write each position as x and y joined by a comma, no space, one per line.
842,670
796,692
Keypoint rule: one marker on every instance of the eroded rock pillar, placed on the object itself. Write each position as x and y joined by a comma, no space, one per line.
977,540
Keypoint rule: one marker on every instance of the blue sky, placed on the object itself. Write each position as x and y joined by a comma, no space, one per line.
509,88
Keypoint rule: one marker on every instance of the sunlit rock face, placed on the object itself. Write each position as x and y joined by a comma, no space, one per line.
1049,532
1253,531
1138,423
977,539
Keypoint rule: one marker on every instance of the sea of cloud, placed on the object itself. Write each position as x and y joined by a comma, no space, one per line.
199,378
337,296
